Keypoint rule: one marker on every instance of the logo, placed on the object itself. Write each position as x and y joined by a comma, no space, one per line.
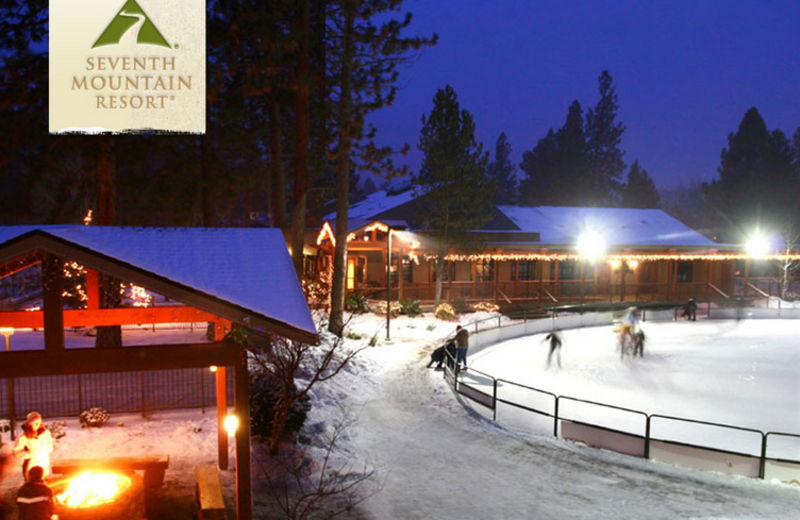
132,18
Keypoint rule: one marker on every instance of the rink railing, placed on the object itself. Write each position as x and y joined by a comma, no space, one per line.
744,451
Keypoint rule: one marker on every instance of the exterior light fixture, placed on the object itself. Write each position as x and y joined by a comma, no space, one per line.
231,424
615,263
633,264
213,368
591,245
757,245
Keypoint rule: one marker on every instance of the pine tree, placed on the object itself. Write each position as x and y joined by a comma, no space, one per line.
757,185
457,196
604,135
640,191
556,168
503,172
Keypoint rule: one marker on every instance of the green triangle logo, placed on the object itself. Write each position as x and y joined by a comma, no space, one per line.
128,17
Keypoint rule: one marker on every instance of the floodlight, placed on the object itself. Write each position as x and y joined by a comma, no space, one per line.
757,245
633,264
615,263
591,245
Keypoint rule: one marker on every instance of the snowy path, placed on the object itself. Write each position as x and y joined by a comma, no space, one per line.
442,461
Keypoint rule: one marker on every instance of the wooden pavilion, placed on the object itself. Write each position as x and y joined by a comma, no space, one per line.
228,277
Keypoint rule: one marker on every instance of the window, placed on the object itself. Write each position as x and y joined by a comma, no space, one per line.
484,270
566,270
408,270
685,271
527,270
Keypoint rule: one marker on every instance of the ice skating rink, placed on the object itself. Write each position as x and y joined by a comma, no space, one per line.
742,373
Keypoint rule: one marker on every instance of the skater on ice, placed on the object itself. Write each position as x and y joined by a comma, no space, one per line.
556,341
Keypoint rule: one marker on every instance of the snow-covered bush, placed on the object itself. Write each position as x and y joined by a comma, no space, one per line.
264,391
94,418
356,303
57,429
411,308
444,311
395,307
486,307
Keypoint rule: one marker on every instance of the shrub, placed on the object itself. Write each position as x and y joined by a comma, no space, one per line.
486,307
410,308
94,418
395,307
444,311
356,303
460,306
264,390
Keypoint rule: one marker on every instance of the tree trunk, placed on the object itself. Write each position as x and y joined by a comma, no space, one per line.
301,139
336,324
277,175
440,263
105,198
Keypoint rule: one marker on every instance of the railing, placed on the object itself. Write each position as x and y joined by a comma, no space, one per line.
749,458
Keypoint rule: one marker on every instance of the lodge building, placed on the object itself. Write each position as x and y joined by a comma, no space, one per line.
534,254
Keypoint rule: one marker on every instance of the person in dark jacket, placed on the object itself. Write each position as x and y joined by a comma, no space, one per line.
555,346
462,344
35,498
690,311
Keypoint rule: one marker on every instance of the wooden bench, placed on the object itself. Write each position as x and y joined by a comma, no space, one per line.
211,506
154,466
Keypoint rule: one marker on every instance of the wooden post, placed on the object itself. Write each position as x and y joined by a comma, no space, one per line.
516,278
53,303
400,273
92,289
222,404
496,273
557,282
475,278
244,493
540,268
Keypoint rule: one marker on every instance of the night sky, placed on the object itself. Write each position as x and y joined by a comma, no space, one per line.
685,72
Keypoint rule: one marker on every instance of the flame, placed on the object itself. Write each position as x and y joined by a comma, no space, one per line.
92,489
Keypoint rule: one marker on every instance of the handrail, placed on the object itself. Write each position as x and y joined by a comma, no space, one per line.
718,290
553,298
504,296
756,289
453,379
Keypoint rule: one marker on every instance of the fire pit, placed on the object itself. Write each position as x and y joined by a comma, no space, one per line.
99,495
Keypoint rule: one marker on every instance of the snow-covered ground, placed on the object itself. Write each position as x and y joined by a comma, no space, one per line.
438,456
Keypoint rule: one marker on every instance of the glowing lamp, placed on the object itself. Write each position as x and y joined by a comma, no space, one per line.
615,263
757,245
213,368
633,264
231,424
591,245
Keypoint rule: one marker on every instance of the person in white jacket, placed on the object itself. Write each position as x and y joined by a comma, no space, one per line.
34,445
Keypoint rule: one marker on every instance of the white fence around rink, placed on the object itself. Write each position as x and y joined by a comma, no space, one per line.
747,452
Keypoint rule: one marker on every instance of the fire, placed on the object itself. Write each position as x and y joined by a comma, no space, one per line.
92,489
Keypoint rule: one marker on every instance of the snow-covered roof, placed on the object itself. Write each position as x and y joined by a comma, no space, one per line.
247,267
617,226
375,204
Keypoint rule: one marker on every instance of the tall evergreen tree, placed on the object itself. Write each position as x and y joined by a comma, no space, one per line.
757,185
457,196
503,172
604,134
639,191
556,168
367,48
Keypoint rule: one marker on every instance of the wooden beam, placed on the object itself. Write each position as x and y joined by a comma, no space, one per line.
33,363
11,267
92,290
244,493
222,404
104,317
